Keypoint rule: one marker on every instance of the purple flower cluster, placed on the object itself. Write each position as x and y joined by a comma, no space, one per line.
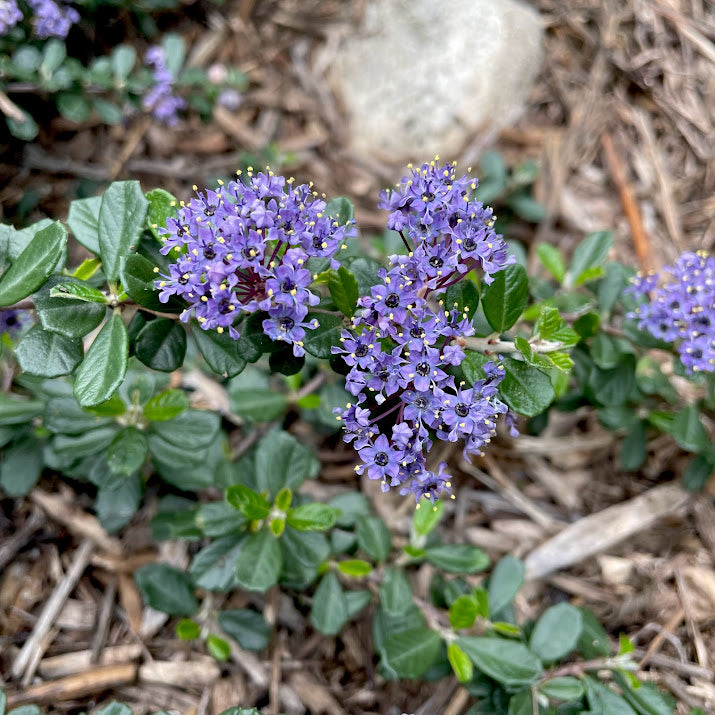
681,308
243,248
10,15
405,340
161,100
52,19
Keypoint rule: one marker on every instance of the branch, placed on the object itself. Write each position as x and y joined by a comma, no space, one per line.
491,345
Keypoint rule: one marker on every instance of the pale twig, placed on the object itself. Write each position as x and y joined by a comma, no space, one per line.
53,607
491,345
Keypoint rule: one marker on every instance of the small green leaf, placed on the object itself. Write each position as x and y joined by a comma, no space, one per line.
593,641
127,452
562,688
161,345
281,461
104,365
341,209
121,219
426,516
463,612
625,645
329,611
589,254
188,630
552,260
48,354
87,269
260,561
506,629
21,466
343,290
166,405
504,583
395,592
166,589
634,447
697,473
460,662
312,517
34,265
506,298
71,291
355,567
73,106
688,430
218,648
373,537
510,663
458,558
410,653
245,626
249,503
83,220
526,389
111,709
557,632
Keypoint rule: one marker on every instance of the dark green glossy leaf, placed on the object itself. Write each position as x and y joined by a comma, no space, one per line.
526,389
281,461
463,296
121,219
161,345
138,276
166,589
245,626
249,503
504,583
593,641
457,558
34,265
191,429
411,652
221,352
83,220
329,611
21,467
344,291
510,663
557,632
260,561
104,365
48,354
506,298
553,261
214,567
688,429
69,317
373,537
312,517
319,342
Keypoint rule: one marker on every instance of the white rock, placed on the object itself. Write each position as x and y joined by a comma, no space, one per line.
420,77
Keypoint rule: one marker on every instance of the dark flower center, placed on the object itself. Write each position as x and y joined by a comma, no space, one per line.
461,409
224,306
182,230
436,262
209,251
287,323
417,332
427,197
383,374
361,350
702,320
317,242
420,403
184,279
381,459
697,353
422,369
288,285
392,300
210,210
246,253
469,244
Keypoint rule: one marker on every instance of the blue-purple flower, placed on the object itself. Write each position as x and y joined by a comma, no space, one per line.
10,15
405,342
161,100
242,249
680,308
52,19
